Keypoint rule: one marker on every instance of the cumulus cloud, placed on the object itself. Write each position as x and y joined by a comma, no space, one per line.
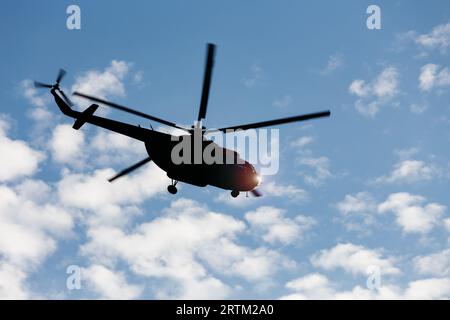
433,76
108,82
302,141
181,248
319,165
32,95
409,171
13,283
411,213
335,61
315,170
360,202
109,148
290,191
354,259
447,224
110,284
283,102
318,286
31,222
376,93
275,227
257,74
310,286
435,264
67,145
438,38
93,192
17,158
418,108
357,211
105,148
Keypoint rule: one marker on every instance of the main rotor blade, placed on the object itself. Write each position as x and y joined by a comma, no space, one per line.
262,124
42,85
66,98
129,169
256,193
210,51
126,109
61,74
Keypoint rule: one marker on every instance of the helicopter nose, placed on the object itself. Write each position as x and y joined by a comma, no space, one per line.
258,179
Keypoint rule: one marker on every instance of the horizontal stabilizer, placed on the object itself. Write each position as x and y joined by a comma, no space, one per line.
81,120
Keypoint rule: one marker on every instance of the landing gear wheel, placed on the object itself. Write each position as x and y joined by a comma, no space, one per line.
172,189
234,193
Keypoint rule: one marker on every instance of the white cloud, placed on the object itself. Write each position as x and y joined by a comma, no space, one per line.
360,202
409,171
302,141
17,158
376,93
105,83
418,108
67,145
433,288
257,74
275,227
318,286
320,167
284,102
273,189
31,94
354,259
41,115
385,85
176,247
93,192
433,76
335,61
311,286
436,264
109,284
13,283
359,88
447,224
314,169
108,148
360,206
438,38
31,221
411,213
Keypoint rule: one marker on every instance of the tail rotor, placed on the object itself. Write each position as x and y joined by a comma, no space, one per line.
59,77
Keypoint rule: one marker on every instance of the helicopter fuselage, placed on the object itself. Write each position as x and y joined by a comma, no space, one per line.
237,176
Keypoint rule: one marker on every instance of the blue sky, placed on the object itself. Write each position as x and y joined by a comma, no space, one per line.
364,189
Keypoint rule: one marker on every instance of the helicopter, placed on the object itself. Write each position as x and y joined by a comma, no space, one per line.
237,176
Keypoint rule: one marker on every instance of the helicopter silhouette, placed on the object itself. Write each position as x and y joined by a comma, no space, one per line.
237,175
